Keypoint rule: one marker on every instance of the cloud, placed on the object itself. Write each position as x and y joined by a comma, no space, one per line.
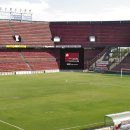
72,10
86,10
11,1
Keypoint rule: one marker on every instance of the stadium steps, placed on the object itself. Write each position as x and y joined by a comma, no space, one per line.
22,57
117,61
11,29
100,56
5,34
34,33
124,62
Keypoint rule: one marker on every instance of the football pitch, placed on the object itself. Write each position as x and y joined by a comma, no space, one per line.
61,101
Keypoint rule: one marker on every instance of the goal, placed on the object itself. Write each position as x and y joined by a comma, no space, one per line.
124,70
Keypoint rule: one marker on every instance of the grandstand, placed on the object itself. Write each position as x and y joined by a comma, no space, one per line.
31,46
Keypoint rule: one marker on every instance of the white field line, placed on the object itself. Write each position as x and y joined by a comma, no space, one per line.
11,125
80,126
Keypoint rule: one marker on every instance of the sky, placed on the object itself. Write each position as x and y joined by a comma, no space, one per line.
71,10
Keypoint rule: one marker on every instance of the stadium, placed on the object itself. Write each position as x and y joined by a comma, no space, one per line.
65,100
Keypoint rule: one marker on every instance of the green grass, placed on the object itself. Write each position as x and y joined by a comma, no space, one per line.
61,100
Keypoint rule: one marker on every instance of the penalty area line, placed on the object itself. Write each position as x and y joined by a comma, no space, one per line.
11,125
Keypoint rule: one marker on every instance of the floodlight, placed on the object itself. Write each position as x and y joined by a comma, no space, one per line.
92,38
56,39
10,9
17,38
20,10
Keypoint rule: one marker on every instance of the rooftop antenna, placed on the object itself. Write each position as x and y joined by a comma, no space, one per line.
20,10
30,11
25,10
10,9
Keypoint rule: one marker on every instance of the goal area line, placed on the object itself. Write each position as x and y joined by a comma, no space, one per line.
11,125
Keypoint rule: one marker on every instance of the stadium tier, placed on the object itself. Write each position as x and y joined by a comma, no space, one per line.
111,33
28,60
30,46
31,33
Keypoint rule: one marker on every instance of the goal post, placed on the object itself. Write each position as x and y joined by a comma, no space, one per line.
124,69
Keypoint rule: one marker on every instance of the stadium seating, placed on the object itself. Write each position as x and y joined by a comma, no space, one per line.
32,33
90,54
112,34
41,52
106,33
23,60
46,65
10,60
5,33
13,66
71,33
42,59
125,63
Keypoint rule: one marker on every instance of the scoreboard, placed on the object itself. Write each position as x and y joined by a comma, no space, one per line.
72,58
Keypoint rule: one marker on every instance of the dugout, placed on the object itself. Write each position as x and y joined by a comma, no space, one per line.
119,120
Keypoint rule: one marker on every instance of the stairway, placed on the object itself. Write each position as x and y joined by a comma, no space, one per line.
22,57
98,58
